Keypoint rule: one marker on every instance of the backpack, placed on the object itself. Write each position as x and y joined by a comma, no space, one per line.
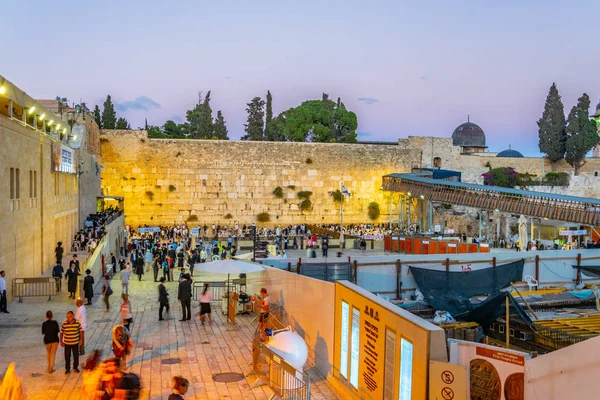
109,290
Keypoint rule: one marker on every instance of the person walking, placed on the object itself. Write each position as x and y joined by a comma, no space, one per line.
57,272
71,277
113,261
148,258
125,274
165,269
3,300
50,330
184,296
58,251
180,387
88,287
163,298
121,344
75,262
205,299
80,315
156,265
139,267
106,292
126,314
71,338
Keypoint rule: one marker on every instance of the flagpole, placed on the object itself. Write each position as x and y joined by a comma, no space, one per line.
341,209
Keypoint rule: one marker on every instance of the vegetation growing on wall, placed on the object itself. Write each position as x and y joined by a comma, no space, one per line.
502,177
305,205
172,188
557,178
263,217
309,160
278,192
228,216
150,195
292,187
304,194
192,218
373,211
337,195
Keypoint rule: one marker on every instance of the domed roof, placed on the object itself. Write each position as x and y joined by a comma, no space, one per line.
510,153
468,135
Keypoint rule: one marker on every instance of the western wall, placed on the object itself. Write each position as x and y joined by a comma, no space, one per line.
226,182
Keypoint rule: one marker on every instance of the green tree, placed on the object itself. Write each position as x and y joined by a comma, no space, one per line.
255,123
317,121
552,133
122,124
98,116
155,132
268,116
220,129
200,119
109,115
582,135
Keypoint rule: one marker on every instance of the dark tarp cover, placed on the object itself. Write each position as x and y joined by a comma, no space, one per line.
493,307
592,270
450,291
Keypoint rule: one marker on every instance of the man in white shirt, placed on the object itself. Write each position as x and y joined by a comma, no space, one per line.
81,317
125,274
3,294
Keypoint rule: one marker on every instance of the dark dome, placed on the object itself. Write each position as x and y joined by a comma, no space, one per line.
510,153
468,135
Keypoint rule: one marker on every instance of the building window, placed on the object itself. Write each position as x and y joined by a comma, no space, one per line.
31,184
12,183
56,184
17,184
596,173
35,184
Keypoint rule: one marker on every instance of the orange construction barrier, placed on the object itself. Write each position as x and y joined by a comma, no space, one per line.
443,247
434,247
425,247
462,248
417,246
409,246
484,248
387,243
395,243
473,248
453,247
402,244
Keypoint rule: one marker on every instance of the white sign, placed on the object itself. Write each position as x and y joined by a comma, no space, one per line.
344,340
354,349
447,381
195,231
425,241
152,229
406,361
450,231
402,238
394,237
573,233
451,244
437,228
63,159
484,245
493,371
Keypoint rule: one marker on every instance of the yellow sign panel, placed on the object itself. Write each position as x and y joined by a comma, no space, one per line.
447,381
382,351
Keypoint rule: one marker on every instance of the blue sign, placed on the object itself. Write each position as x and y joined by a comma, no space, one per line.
151,229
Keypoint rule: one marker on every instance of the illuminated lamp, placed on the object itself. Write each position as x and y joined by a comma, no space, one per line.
50,123
58,127
65,130
422,196
2,89
31,110
42,117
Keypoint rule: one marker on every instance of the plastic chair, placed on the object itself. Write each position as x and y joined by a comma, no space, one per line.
531,282
215,258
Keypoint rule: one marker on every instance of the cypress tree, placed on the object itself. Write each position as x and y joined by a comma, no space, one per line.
581,132
109,115
552,127
255,123
122,124
220,129
98,116
268,116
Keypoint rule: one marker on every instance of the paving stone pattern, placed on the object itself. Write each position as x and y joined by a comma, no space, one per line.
162,349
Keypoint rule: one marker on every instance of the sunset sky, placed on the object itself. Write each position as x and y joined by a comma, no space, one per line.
405,68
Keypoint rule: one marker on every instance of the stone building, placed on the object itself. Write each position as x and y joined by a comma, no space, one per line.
42,152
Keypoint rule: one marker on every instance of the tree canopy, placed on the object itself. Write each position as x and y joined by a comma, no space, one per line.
255,124
552,135
317,121
109,115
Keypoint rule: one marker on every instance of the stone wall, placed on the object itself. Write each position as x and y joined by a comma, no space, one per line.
169,181
89,167
41,217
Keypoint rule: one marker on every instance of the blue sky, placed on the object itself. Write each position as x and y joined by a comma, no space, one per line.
405,68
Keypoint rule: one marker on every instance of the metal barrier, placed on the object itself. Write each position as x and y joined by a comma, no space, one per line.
330,272
217,288
282,378
35,287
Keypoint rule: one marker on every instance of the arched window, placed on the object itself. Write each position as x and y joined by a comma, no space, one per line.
437,162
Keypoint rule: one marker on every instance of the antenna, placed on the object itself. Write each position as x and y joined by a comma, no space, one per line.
468,118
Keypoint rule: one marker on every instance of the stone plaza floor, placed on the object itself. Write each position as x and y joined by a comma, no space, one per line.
162,349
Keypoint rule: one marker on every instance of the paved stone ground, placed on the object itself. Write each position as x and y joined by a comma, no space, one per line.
197,351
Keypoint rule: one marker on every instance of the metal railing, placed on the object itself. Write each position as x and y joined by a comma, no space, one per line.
217,289
282,378
35,287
